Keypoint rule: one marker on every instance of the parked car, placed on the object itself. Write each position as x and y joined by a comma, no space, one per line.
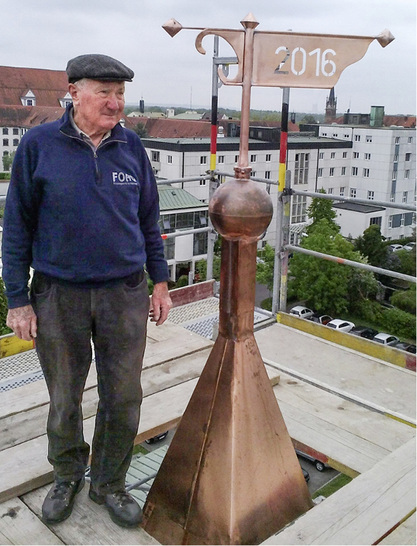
364,331
386,339
321,319
157,438
341,325
306,475
395,247
320,466
301,311
409,246
409,347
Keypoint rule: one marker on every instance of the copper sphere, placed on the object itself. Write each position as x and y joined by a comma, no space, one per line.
240,209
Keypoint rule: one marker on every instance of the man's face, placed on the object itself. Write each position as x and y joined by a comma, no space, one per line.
98,105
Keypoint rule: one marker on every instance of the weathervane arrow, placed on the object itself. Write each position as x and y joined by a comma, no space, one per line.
288,59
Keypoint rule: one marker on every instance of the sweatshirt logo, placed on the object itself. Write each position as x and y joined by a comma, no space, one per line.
123,179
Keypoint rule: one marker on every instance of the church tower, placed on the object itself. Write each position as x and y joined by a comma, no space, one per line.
331,103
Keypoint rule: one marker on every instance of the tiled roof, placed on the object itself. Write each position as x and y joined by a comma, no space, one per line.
48,86
28,116
176,198
405,121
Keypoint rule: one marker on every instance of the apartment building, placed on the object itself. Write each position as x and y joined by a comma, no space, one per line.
175,158
380,166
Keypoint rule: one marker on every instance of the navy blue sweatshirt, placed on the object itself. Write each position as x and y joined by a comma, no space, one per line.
80,215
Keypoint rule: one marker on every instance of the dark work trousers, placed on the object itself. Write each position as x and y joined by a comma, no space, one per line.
114,318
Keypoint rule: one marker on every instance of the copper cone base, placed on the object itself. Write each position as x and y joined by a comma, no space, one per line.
231,475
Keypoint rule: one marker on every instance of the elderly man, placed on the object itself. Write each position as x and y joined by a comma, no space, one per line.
82,210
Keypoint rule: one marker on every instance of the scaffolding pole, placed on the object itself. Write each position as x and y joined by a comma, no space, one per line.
358,265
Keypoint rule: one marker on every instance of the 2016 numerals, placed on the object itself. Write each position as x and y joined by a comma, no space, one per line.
299,58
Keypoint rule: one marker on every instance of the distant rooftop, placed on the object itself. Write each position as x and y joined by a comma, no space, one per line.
176,198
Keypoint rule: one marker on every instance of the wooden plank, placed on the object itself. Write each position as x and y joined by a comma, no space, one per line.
89,523
18,525
376,429
342,393
359,375
24,467
364,510
405,533
23,417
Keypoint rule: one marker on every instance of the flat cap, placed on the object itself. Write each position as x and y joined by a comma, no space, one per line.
98,67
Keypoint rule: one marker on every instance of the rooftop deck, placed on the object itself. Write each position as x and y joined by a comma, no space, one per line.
355,411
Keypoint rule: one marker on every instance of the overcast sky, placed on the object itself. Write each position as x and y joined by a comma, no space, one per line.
170,71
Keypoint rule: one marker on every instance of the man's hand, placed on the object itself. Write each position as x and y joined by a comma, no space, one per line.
22,320
161,303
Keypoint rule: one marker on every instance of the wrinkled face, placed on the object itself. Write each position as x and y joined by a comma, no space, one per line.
98,105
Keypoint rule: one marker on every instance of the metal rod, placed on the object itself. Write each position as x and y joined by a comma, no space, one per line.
387,204
187,232
246,93
344,261
283,138
285,240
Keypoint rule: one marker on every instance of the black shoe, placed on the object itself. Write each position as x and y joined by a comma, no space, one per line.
122,507
58,503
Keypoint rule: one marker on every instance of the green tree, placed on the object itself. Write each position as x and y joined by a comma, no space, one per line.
140,130
3,311
327,286
322,209
265,269
371,244
405,299
8,161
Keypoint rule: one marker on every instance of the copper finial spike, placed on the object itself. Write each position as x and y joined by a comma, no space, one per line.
172,27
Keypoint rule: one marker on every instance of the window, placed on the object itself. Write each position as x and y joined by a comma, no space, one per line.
15,142
407,173
5,131
332,155
301,168
353,192
268,175
371,195
155,155
200,244
408,157
236,158
397,140
410,140
321,155
15,131
346,136
344,155
355,155
368,138
331,191
366,173
320,172
368,156
169,159
377,221
203,159
298,211
221,159
342,191
331,172
354,171
405,196
268,157
253,173
343,172
357,138
253,158
202,182
5,141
